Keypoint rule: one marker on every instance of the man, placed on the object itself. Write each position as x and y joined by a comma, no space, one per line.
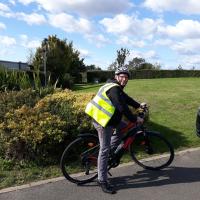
107,109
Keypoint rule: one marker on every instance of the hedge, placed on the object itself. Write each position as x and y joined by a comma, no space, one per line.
102,76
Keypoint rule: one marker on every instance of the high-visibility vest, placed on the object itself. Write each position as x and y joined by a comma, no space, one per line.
100,108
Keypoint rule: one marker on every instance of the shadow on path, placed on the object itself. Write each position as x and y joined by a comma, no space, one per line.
146,178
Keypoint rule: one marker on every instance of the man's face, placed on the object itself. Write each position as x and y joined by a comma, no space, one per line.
122,79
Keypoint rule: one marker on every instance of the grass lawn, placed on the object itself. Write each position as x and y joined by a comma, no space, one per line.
173,105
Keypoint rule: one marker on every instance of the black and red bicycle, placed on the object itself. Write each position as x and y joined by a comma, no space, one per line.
149,149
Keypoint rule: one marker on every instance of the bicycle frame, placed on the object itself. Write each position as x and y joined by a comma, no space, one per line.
130,131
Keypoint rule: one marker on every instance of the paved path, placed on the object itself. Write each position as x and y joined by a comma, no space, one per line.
181,181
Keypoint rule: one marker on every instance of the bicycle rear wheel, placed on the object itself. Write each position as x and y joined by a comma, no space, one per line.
151,151
79,160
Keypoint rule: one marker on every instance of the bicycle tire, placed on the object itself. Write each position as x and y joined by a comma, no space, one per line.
79,159
151,150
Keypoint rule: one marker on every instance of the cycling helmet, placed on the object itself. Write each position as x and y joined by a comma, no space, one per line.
122,70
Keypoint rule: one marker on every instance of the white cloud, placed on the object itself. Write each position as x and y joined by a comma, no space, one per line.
188,62
151,55
119,24
183,29
192,61
187,46
7,41
126,41
29,18
4,8
83,7
12,2
32,18
131,25
27,43
164,42
186,7
26,2
98,39
148,55
68,23
2,26
84,53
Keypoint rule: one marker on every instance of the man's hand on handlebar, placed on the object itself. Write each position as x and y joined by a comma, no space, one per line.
143,105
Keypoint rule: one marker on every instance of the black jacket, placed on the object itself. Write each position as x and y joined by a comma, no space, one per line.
121,101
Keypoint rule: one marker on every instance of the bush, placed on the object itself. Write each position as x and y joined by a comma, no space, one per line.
69,106
37,128
28,133
12,100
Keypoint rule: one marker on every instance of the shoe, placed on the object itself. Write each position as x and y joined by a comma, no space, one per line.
106,187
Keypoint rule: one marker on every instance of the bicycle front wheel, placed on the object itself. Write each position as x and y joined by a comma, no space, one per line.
79,160
152,151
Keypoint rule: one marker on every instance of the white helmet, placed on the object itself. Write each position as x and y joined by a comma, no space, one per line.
122,70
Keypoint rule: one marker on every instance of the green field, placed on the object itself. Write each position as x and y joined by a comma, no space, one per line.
173,105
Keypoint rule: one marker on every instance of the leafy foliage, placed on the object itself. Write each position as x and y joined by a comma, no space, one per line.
140,64
121,56
120,60
62,58
92,67
13,80
36,127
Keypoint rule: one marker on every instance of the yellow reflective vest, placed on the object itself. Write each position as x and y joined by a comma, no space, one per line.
100,108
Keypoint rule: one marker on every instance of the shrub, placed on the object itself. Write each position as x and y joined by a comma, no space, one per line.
12,100
70,107
26,132
37,129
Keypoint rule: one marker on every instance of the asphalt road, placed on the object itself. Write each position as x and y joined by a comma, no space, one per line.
180,181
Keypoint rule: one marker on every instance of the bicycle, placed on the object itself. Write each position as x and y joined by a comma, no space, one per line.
149,149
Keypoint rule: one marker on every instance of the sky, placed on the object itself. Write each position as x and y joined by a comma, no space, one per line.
164,32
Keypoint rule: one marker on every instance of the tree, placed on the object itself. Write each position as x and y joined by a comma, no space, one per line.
140,63
136,63
61,58
121,56
120,60
92,67
180,67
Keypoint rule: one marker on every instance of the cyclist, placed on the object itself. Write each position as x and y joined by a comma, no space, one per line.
106,109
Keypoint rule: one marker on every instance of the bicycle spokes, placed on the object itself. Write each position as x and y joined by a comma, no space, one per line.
152,151
81,156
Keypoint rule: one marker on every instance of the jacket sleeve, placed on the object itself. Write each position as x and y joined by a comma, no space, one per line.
131,101
121,102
